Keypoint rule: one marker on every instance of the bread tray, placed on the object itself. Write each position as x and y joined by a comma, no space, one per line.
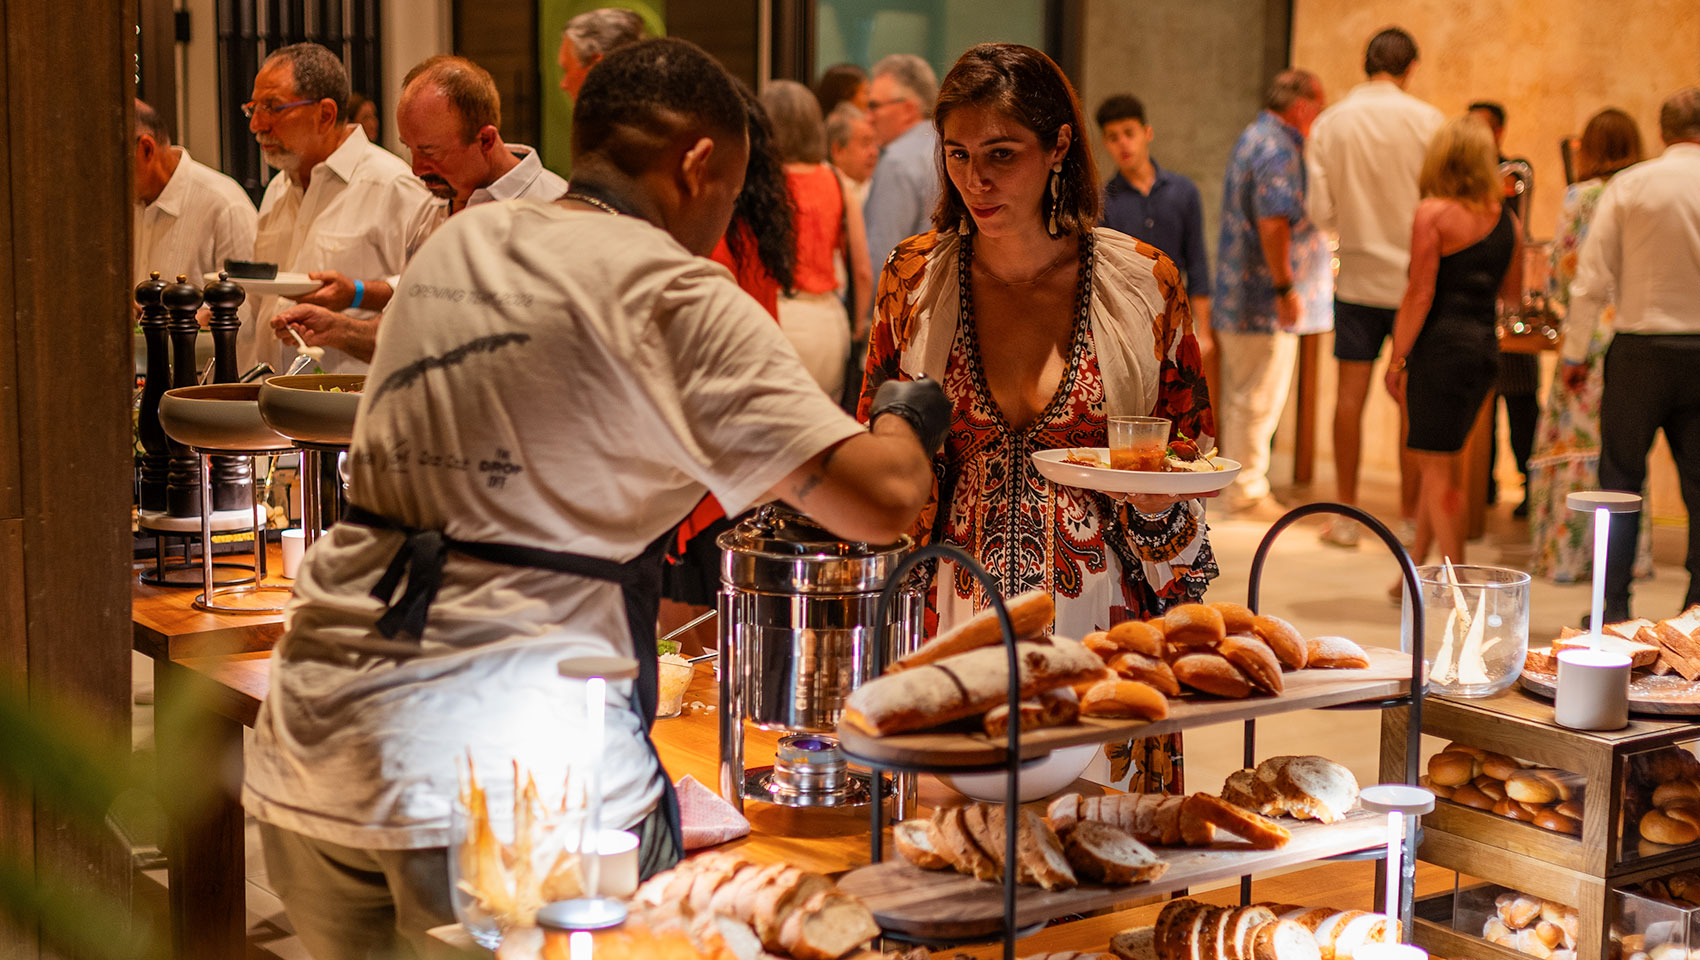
1388,675
944,904
1661,696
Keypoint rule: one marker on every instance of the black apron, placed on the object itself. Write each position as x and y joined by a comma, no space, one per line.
421,558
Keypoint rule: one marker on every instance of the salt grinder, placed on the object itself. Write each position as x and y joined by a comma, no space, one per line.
156,446
233,477
183,484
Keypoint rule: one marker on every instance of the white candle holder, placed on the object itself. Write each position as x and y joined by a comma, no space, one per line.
1402,803
1593,690
591,911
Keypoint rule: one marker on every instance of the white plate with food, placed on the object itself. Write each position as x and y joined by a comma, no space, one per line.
282,285
1089,468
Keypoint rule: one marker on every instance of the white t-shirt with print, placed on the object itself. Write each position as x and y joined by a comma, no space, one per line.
561,379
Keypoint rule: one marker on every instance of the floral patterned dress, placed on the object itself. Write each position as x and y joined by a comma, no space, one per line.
1102,561
1567,440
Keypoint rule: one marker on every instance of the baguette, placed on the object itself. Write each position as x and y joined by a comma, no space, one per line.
977,818
1039,851
826,926
959,848
1053,708
775,902
964,685
1030,614
1063,813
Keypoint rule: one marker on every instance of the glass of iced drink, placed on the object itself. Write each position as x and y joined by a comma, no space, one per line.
1138,443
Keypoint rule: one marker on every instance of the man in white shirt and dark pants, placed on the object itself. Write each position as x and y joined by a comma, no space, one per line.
340,201
1363,158
1643,252
448,119
189,217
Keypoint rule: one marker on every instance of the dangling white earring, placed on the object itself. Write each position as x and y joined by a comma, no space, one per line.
1056,186
962,226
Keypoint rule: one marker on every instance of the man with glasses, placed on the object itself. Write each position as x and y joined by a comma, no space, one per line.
339,203
448,119
906,180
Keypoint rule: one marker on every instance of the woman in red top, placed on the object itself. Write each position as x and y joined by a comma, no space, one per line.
811,313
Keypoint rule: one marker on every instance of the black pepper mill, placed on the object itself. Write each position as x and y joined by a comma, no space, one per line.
156,447
233,477
183,484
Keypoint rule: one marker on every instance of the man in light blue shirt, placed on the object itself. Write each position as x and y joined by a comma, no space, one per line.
905,186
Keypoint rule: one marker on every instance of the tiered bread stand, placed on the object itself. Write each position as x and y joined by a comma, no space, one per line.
934,907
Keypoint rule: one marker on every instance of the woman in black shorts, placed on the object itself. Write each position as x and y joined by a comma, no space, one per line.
1465,255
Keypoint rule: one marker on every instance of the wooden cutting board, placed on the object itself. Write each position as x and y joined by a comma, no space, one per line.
1664,696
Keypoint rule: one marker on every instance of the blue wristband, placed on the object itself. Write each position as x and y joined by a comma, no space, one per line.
359,294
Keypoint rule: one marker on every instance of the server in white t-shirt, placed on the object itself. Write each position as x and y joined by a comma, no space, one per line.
1362,161
189,217
449,119
555,387
340,201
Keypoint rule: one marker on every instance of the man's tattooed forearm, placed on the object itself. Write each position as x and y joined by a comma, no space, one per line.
807,487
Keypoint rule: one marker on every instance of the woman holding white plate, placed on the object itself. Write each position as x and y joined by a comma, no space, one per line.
1040,326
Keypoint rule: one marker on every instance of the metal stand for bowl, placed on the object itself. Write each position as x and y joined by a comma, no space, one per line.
211,593
313,487
186,572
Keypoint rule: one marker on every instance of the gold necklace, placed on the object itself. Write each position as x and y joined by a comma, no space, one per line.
1042,274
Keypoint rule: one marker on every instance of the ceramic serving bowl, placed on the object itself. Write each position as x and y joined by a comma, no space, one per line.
313,408
218,416
1039,778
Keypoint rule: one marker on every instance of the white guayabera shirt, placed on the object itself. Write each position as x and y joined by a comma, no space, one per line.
199,220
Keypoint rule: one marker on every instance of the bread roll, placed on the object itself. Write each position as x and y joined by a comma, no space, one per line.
1146,669
1124,699
1053,708
1660,827
1515,810
1683,811
1428,784
1495,931
1569,808
1529,942
1030,614
1255,660
1236,617
1539,785
1458,746
1316,788
1283,638
1335,653
1490,786
1469,796
1549,933
1213,674
1137,636
1668,791
1192,626
1101,644
1517,910
1499,766
964,685
1550,819
1452,769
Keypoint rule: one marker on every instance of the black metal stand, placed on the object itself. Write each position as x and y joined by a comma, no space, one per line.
1410,636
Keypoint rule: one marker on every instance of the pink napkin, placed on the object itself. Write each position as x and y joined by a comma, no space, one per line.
707,819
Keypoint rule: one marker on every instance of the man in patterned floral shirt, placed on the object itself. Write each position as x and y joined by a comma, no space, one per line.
1272,282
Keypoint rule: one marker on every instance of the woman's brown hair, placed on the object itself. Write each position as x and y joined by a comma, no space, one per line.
1030,88
1610,142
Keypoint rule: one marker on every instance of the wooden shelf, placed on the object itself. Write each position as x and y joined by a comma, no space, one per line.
947,905
1388,675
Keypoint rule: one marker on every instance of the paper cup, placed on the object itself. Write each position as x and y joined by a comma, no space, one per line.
1593,690
294,544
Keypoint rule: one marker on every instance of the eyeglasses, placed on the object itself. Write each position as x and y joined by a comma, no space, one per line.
876,104
272,109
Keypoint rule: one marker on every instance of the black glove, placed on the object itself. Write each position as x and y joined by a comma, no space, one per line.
921,402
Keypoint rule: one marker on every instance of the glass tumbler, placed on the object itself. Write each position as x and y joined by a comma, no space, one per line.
1475,627
1137,443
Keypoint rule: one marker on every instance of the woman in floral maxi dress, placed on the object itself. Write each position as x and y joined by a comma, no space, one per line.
1039,326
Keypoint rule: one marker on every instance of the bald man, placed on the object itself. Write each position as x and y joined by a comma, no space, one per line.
189,217
448,119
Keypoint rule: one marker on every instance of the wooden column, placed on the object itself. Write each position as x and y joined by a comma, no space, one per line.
1304,441
65,384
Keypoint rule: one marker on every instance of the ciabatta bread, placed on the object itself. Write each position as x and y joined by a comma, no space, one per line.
1030,614
964,685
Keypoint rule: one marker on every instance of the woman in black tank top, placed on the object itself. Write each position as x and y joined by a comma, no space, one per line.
1445,350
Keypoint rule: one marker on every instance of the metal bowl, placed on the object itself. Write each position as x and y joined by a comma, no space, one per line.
218,416
313,408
